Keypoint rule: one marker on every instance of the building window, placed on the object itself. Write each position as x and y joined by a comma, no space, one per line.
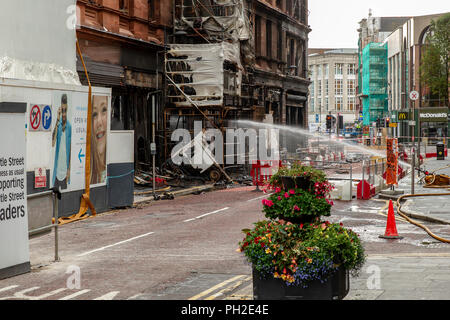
269,39
326,70
327,90
339,102
311,89
338,89
151,10
124,5
326,103
338,67
319,88
319,71
312,104
351,103
279,4
319,103
351,69
289,7
351,87
258,35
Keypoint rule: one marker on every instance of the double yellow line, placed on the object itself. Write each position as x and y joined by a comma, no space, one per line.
224,289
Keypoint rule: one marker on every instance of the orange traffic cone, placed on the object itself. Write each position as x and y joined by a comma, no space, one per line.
391,228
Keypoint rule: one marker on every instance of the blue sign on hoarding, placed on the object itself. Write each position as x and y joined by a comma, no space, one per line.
47,118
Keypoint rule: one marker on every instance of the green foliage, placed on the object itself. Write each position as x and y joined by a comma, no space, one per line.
297,170
296,203
300,253
434,68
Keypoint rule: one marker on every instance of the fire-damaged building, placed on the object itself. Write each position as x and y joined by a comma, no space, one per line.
230,60
214,61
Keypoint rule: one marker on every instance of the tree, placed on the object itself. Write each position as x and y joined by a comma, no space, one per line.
434,68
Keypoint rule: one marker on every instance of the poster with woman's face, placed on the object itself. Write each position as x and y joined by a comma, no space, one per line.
99,135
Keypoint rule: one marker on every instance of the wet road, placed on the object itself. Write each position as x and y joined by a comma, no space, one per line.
181,249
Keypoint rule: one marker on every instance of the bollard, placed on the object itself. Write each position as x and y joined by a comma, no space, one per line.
57,196
351,182
413,166
363,165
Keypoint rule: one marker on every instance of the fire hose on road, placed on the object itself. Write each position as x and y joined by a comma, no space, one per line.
433,181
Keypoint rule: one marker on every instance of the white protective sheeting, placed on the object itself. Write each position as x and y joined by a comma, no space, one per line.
235,25
202,65
38,40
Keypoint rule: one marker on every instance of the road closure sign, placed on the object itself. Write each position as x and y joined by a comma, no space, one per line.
14,250
392,161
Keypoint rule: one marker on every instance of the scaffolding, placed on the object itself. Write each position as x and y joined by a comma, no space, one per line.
374,77
203,66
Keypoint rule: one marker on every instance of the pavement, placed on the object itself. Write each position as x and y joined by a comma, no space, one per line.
435,208
393,277
186,249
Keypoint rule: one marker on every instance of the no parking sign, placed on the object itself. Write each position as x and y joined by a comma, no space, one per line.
40,117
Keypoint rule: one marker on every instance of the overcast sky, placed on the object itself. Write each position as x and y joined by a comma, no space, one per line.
334,23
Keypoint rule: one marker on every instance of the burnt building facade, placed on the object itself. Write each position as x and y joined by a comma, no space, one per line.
280,73
215,61
230,60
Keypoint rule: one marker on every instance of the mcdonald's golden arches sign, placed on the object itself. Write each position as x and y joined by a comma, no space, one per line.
403,116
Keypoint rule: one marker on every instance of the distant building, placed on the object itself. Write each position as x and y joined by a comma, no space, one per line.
372,88
405,51
333,84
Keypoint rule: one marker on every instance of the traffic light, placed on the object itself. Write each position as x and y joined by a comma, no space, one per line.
388,121
341,122
329,119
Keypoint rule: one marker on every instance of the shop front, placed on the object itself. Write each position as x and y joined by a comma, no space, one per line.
433,125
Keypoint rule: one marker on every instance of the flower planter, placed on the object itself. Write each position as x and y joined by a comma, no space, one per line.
303,219
288,183
303,183
296,242
335,288
300,182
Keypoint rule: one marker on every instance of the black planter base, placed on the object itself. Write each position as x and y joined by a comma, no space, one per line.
336,288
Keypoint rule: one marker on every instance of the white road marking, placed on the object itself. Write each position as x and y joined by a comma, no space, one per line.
76,294
22,294
207,214
108,296
7,288
265,196
115,244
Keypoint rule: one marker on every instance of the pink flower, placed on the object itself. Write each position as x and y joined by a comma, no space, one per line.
292,191
279,198
296,208
268,203
278,190
286,195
